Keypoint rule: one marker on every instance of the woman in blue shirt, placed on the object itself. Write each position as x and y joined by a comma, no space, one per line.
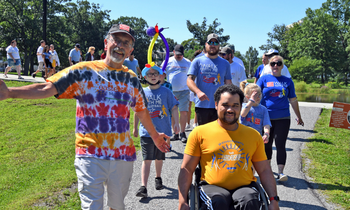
278,92
47,56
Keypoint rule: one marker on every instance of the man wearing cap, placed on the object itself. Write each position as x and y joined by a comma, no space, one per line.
237,71
265,61
176,72
133,64
267,68
211,72
74,55
105,91
236,59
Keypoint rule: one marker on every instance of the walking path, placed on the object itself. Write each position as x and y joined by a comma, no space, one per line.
26,78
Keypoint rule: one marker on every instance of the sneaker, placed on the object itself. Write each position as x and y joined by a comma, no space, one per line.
170,148
282,178
142,192
33,75
6,76
159,183
175,137
188,127
195,125
20,77
183,137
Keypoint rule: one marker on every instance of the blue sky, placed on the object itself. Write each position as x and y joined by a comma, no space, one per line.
247,22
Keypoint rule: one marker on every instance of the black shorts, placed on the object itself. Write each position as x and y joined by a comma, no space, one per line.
150,150
206,115
48,63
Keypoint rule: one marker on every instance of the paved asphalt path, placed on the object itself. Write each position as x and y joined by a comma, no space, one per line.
297,193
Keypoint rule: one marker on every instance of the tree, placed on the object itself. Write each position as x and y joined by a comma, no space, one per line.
200,32
142,40
251,57
277,40
305,69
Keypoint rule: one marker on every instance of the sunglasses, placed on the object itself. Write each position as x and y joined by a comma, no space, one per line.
152,74
223,54
279,63
213,43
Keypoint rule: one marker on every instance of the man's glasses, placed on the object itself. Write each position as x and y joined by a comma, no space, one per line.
152,74
125,44
279,63
213,43
223,54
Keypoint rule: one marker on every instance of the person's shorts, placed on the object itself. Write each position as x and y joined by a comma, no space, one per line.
192,96
48,63
95,174
12,62
184,99
53,63
150,150
41,66
205,115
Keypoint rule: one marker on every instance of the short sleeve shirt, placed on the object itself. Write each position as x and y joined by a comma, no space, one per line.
14,52
75,55
104,97
256,118
40,51
132,65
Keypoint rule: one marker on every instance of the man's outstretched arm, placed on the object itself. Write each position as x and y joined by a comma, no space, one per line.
35,91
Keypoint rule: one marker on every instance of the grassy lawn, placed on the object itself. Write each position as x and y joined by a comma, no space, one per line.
329,152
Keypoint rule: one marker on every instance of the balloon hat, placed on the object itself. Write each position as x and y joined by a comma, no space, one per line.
154,32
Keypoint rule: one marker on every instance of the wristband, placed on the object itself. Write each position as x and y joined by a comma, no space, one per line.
267,134
252,100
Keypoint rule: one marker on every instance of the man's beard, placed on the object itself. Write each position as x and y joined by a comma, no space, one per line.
215,52
231,122
117,60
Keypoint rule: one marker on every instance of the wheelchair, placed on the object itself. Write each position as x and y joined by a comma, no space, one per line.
194,199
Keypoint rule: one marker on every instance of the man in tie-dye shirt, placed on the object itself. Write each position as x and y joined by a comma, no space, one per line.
105,91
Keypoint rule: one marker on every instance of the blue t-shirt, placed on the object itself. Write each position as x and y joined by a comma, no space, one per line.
131,64
258,71
75,55
210,74
275,94
47,55
160,103
256,118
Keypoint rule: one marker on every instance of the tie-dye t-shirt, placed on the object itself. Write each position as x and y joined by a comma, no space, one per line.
104,97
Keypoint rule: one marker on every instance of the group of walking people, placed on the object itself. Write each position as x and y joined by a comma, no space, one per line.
224,147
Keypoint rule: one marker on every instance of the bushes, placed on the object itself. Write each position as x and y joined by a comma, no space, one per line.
301,87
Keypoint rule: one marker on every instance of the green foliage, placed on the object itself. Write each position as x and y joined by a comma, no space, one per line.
305,69
200,32
328,149
251,59
325,89
300,86
333,85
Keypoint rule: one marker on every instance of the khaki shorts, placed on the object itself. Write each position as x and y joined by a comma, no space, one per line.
93,174
41,66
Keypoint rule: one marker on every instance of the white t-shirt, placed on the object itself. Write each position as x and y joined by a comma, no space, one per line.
177,73
40,51
237,73
14,52
239,61
267,70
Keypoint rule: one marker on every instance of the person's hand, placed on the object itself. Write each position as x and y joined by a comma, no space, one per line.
160,143
184,206
176,128
255,96
201,96
300,121
4,91
274,205
265,139
135,132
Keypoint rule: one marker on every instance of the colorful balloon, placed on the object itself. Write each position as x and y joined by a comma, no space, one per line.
155,32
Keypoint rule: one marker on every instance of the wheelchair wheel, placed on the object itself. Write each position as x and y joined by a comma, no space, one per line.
194,197
264,197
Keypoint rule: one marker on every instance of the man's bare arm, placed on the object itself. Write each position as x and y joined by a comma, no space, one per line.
193,87
188,166
35,91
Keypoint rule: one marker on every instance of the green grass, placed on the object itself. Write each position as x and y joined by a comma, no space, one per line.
329,152
37,150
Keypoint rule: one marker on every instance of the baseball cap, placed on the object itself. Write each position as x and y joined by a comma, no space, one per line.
122,28
212,36
272,52
77,45
232,47
146,69
179,49
226,50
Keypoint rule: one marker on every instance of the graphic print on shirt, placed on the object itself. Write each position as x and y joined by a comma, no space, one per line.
256,120
230,157
155,106
209,73
276,93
